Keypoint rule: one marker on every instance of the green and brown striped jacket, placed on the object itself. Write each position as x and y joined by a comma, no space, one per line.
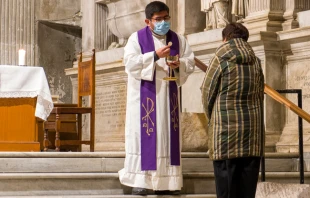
232,95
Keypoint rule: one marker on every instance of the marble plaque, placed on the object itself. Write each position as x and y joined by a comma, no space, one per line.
110,116
299,78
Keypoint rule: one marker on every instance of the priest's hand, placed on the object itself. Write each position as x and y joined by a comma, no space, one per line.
163,52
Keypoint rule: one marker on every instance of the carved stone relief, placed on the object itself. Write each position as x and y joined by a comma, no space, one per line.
221,12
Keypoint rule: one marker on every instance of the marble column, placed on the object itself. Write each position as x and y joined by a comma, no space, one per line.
103,36
265,15
269,50
292,7
17,30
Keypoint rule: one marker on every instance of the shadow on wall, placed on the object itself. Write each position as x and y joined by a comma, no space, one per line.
58,45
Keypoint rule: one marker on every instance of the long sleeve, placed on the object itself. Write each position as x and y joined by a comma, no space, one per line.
138,65
210,86
187,63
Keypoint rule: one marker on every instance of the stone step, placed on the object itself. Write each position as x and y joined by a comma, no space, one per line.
118,196
112,162
116,155
54,184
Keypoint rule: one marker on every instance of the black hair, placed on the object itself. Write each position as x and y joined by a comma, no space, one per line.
153,7
235,30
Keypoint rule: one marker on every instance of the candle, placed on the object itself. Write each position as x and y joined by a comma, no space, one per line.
21,57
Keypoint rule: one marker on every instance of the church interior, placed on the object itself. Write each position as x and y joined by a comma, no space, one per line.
55,142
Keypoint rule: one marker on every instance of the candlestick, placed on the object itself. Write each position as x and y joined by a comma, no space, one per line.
21,57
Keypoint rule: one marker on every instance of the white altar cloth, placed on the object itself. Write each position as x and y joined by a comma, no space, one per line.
26,82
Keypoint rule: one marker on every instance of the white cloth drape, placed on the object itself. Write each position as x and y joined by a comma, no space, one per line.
26,82
141,66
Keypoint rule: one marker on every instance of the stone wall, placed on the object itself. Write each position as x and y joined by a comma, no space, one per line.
58,42
57,50
56,9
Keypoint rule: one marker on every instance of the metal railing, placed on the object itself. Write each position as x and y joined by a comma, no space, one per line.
300,134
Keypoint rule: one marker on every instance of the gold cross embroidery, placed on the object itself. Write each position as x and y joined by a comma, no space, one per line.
174,112
148,110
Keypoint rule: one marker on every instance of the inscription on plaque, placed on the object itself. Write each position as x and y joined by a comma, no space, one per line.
304,83
111,108
298,78
305,80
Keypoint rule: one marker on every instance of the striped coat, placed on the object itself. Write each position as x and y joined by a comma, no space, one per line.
232,95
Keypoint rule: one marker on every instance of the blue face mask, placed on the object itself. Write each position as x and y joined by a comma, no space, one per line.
161,28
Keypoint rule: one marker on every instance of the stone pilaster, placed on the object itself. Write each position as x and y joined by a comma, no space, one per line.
297,76
88,24
17,30
269,50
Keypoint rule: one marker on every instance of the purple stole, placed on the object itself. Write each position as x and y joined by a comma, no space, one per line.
148,106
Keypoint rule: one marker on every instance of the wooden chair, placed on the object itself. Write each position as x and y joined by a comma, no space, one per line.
61,115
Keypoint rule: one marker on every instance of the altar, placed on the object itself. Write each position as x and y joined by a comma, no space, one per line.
24,99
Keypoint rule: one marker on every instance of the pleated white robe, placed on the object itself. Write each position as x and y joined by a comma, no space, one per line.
142,66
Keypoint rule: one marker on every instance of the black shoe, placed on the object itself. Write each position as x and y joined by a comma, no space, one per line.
175,192
139,191
161,192
167,192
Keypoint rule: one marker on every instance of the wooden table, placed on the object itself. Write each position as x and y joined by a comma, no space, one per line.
24,98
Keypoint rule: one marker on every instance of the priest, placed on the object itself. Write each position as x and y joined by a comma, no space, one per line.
152,131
